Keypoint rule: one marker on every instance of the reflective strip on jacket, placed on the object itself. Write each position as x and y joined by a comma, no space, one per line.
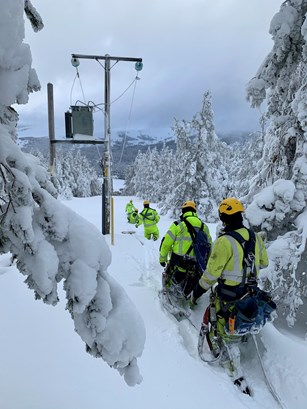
149,217
226,260
178,240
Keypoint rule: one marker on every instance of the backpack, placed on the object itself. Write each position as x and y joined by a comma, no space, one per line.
200,245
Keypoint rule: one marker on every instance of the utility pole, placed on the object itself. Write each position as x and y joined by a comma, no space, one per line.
107,187
51,129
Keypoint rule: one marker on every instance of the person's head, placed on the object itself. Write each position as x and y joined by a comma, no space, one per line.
188,206
146,203
131,201
230,211
136,210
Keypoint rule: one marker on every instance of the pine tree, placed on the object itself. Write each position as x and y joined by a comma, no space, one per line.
74,176
279,191
200,173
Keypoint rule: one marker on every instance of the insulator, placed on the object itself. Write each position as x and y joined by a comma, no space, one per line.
138,66
75,62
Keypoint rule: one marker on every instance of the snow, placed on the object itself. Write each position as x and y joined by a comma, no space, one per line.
111,291
44,365
273,202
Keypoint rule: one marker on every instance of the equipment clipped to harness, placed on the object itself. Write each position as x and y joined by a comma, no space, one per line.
208,332
250,313
231,324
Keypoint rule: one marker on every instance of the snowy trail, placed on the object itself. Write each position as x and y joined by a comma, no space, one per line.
188,333
39,339
149,270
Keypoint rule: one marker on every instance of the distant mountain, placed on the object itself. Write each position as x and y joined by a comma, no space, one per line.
125,147
236,136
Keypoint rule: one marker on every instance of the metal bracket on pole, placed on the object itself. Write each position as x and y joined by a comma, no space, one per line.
107,165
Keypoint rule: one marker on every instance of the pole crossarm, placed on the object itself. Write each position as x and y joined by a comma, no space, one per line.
106,57
76,141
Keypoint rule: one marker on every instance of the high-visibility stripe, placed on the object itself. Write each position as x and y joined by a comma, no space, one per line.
181,239
172,236
210,277
204,284
237,273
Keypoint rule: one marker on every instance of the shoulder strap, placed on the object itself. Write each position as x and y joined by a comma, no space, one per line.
190,228
248,246
192,232
145,213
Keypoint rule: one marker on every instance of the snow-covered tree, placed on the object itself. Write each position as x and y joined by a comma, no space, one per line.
198,170
280,187
74,176
137,183
50,242
200,173
166,177
242,162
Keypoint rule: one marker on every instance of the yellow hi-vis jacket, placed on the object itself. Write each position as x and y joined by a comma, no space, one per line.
129,208
149,217
178,240
226,260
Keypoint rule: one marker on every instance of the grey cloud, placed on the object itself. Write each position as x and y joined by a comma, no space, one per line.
187,46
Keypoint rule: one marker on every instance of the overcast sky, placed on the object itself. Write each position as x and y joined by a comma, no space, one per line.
187,47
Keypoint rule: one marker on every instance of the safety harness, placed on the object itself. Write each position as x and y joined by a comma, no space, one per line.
249,273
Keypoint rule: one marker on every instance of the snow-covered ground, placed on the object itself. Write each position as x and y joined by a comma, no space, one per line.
44,365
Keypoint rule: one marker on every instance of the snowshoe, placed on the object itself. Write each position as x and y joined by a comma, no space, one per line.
172,305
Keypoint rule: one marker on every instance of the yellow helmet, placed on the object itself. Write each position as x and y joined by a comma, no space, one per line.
136,210
230,206
189,203
146,202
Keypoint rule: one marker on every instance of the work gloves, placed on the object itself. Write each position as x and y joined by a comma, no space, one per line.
196,294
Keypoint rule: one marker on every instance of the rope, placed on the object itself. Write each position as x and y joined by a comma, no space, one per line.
97,105
192,323
128,120
268,383
77,76
133,82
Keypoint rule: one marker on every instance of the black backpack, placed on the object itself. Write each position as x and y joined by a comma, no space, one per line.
200,245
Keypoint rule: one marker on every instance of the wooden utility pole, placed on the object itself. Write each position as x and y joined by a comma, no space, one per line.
107,187
51,128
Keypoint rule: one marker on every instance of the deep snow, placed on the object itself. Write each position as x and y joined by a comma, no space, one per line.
44,365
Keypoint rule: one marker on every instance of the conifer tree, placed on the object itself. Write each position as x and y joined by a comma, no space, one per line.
200,173
279,191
